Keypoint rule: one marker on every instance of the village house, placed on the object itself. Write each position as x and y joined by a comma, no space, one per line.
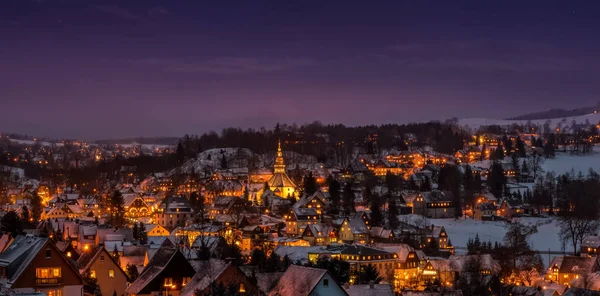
434,204
319,234
359,256
34,264
220,272
135,206
316,200
300,218
156,230
354,230
406,270
590,246
300,280
167,272
436,238
510,208
107,272
173,212
564,269
485,211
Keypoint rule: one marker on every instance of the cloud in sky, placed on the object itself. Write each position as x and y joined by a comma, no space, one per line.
118,12
226,65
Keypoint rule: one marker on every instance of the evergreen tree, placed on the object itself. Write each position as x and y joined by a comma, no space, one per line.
496,179
266,187
117,209
142,234
132,272
36,207
499,152
392,216
179,153
258,258
338,269
25,216
549,150
507,144
223,162
334,195
348,199
376,215
310,184
115,253
12,224
425,185
273,263
392,182
368,274
135,231
520,149
483,150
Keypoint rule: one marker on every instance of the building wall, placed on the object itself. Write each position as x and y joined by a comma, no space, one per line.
109,285
69,277
332,289
436,213
158,231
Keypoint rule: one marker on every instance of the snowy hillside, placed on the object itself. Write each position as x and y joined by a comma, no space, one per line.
563,123
211,160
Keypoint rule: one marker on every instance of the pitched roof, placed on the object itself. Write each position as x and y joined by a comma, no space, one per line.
102,251
157,264
366,290
23,249
574,264
206,272
298,280
280,180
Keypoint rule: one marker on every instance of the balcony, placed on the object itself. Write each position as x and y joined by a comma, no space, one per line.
48,281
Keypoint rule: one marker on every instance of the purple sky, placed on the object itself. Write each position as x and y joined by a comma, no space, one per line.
105,69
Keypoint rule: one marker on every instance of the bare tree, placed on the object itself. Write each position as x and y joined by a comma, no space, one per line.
574,229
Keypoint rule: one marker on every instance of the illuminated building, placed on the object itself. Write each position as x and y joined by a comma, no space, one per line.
280,183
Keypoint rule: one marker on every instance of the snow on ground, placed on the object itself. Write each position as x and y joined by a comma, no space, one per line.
459,231
31,142
476,123
565,163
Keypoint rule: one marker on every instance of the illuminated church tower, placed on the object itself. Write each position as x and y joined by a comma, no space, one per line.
279,167
280,183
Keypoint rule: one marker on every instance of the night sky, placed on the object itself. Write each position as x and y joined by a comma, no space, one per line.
107,69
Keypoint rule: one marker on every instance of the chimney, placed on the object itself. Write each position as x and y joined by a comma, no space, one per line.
371,285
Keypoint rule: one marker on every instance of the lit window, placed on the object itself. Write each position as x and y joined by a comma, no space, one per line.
111,273
93,274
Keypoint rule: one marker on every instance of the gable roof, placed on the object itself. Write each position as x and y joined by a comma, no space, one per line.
298,280
21,252
206,272
157,264
102,251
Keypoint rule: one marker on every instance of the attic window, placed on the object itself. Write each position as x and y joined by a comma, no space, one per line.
101,258
326,282
48,254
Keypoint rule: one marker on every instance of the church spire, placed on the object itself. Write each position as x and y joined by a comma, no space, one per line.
279,166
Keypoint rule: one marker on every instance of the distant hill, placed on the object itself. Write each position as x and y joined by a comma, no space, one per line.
153,140
557,113
564,123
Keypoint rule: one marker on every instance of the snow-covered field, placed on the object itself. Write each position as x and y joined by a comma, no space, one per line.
565,163
476,123
546,238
